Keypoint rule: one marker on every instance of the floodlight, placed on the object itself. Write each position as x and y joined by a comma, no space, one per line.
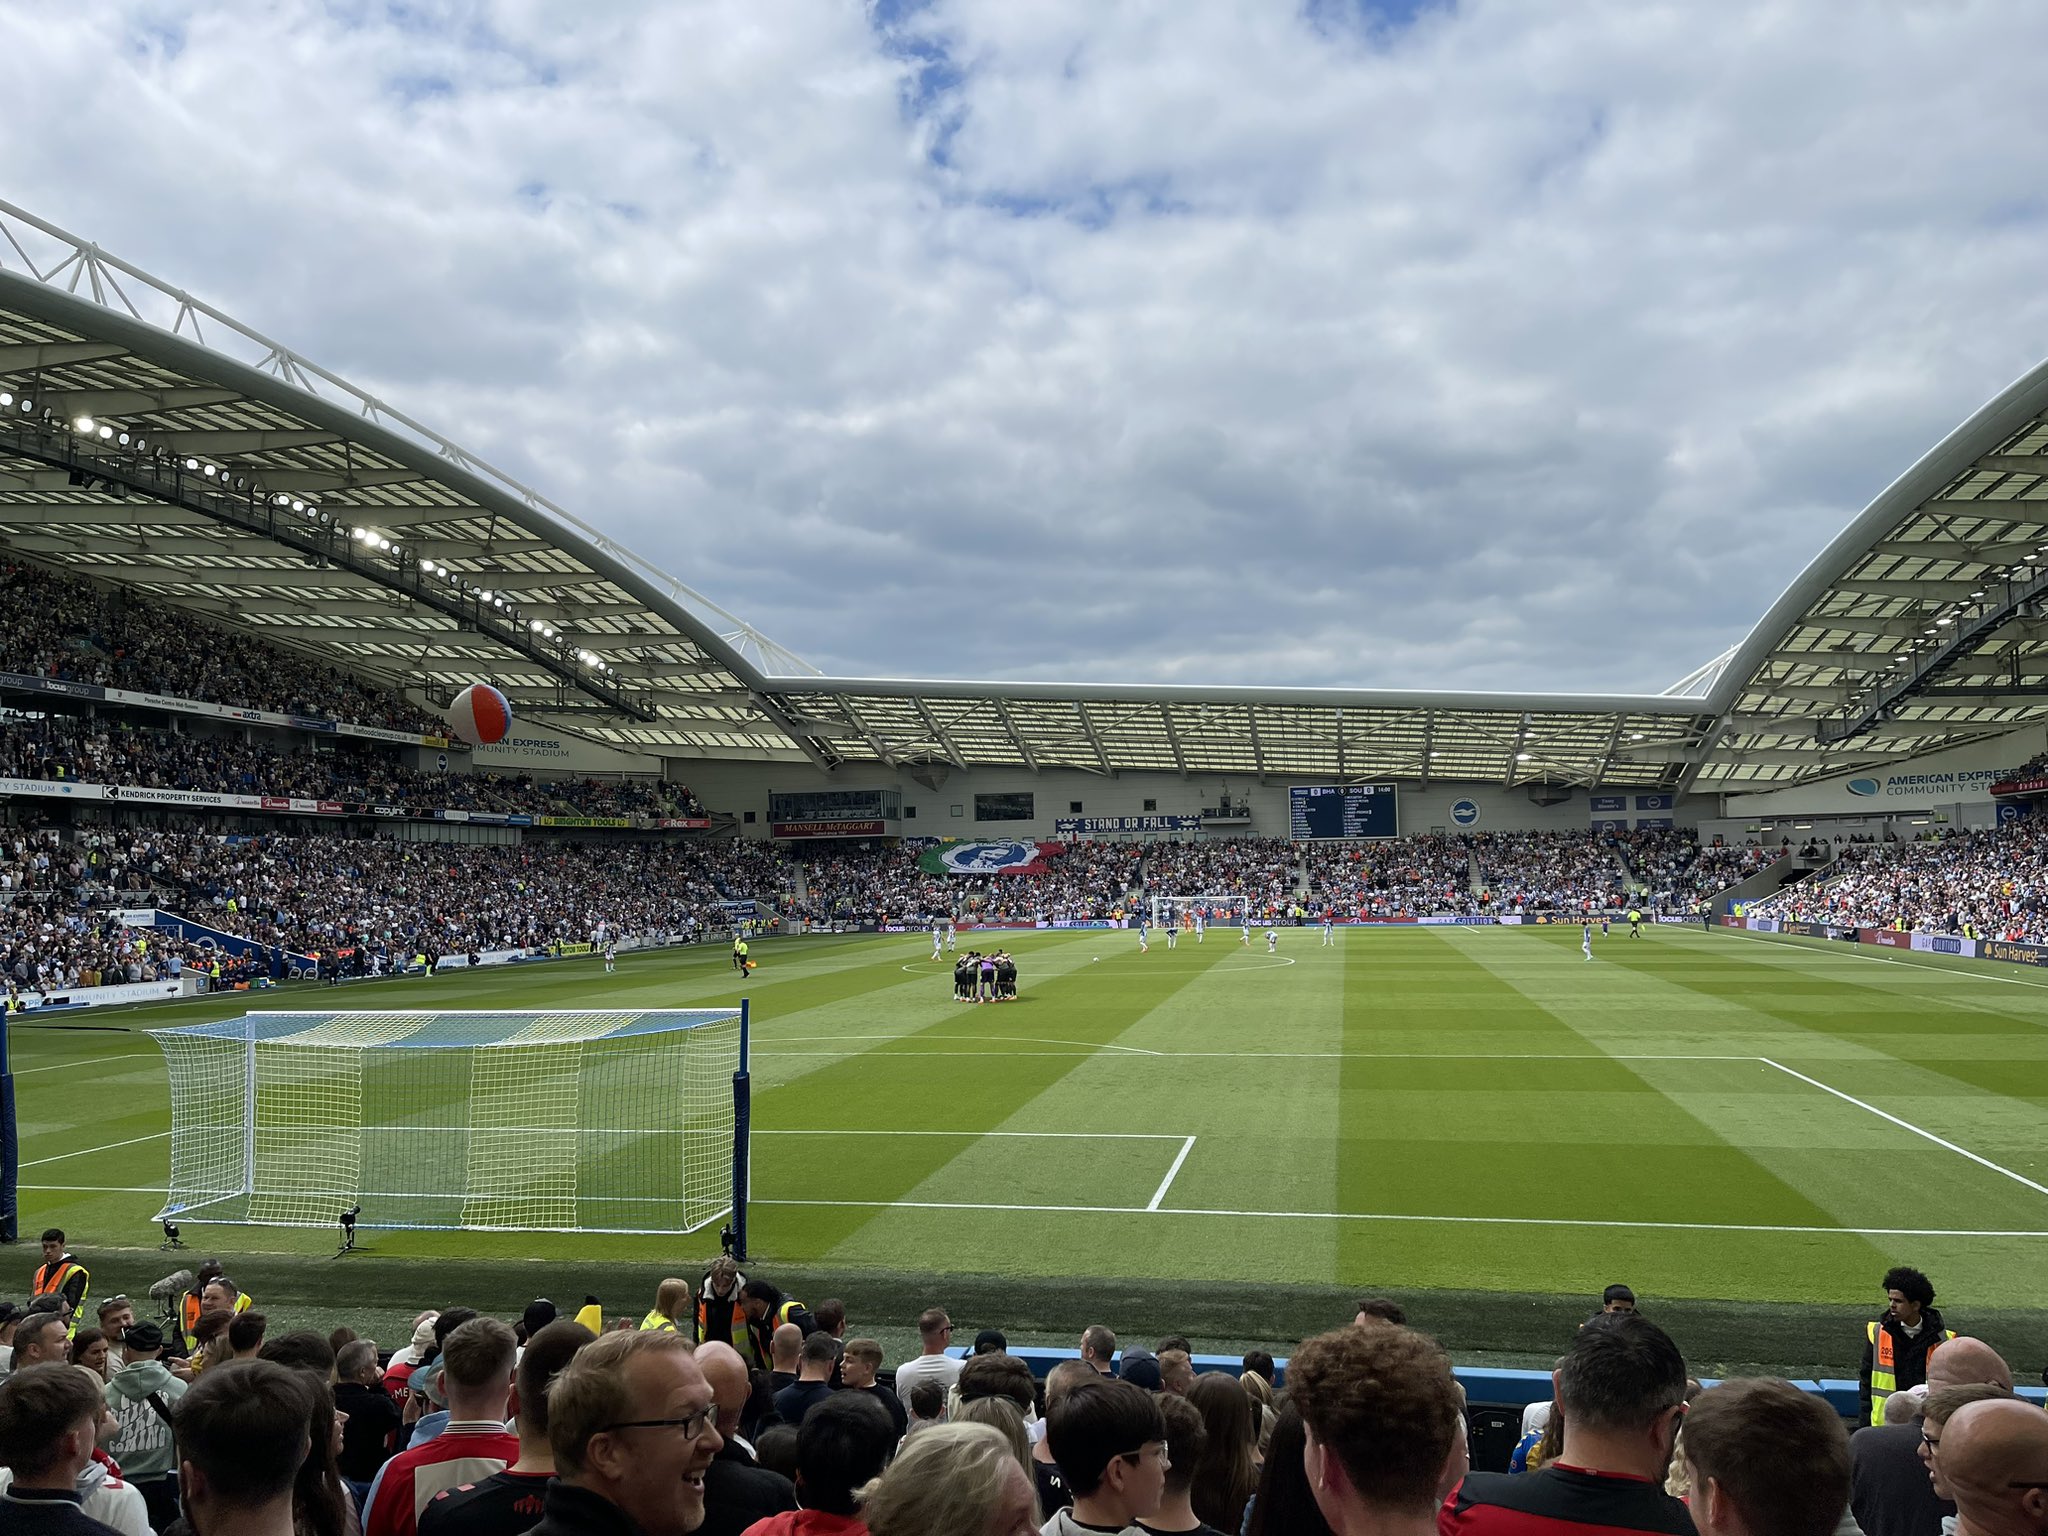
536,625
298,506
191,463
84,424
485,594
1944,621
212,470
1521,757
359,534
107,432
124,439
6,398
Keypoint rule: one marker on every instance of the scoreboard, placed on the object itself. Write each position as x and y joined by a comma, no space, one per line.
1318,811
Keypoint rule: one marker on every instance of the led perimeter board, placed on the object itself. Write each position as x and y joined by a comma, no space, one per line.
1318,811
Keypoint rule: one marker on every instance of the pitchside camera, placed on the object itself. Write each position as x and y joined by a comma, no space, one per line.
348,1228
170,1237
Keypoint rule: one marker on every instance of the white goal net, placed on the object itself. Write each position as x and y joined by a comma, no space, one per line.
528,1121
1185,912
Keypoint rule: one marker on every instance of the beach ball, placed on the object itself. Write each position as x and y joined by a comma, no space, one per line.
480,715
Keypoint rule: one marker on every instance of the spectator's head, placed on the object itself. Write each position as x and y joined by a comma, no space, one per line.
243,1430
927,1402
1906,1292
1173,1341
1943,1404
357,1362
1187,1443
340,1336
1259,1363
446,1323
997,1376
546,1353
1109,1439
816,1357
1994,1458
935,1329
142,1341
1176,1371
725,1372
831,1316
39,1340
631,1419
115,1314
861,1363
1229,1472
302,1350
1765,1459
1383,1422
1617,1298
1380,1309
759,1299
219,1295
245,1334
1966,1361
540,1312
476,1369
723,1275
89,1349
49,1424
209,1269
1001,1415
786,1347
1622,1388
841,1447
991,1341
1098,1347
1140,1367
671,1298
53,1245
960,1479
1286,1505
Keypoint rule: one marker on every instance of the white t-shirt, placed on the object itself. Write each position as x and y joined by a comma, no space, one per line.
943,1369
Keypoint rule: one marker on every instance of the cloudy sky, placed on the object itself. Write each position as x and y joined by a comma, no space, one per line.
1512,345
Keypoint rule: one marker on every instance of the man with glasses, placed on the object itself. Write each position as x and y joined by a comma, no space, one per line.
1109,1439
476,1374
1621,1389
1889,1492
633,1426
1994,1458
935,1329
1943,1404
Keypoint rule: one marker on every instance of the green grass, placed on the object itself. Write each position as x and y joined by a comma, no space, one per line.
1474,1120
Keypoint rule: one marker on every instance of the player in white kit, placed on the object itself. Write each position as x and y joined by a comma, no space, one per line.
952,932
937,938
1272,941
1143,934
1172,933
1329,926
1246,938
1201,925
1586,939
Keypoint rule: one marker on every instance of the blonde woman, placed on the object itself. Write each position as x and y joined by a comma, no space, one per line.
999,1414
955,1479
1260,1391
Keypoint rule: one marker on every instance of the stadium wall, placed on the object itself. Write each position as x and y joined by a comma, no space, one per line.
539,751
738,787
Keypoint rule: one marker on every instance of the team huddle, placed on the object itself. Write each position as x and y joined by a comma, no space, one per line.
990,978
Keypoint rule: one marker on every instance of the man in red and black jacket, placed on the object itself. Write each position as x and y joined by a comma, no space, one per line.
1621,1389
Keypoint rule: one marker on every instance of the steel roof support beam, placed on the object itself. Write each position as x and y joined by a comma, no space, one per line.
1180,758
1016,736
251,512
1094,736
944,742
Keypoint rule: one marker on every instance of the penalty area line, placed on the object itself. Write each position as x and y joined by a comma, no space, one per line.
1907,1125
1172,1173
1382,1216
132,1141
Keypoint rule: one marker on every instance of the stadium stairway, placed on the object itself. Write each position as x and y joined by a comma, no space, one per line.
1768,881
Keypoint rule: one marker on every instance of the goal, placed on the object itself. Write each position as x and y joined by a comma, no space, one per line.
525,1121
1215,911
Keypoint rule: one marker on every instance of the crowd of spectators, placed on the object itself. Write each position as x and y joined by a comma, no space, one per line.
1548,872
56,625
1991,883
106,751
1412,878
1263,870
731,1408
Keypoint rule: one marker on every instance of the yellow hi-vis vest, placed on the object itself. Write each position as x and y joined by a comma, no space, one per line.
1884,1374
657,1322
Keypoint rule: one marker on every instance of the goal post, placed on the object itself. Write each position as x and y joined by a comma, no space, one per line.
559,1121
1214,911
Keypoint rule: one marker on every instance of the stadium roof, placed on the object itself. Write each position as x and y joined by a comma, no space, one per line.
321,518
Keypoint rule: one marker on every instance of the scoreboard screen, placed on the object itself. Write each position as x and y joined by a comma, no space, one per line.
1341,810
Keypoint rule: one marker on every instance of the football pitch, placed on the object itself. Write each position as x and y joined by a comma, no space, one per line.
1703,1115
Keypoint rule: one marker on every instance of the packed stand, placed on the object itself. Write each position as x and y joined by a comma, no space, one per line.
60,626
1260,869
1547,872
733,1408
1414,878
102,751
1982,884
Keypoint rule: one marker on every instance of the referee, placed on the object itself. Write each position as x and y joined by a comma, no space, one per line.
739,952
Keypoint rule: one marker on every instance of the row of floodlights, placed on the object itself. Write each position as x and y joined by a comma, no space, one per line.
2026,570
100,431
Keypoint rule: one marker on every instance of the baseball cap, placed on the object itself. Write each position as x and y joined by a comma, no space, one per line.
47,1304
1140,1367
8,1313
423,1333
143,1336
990,1341
539,1313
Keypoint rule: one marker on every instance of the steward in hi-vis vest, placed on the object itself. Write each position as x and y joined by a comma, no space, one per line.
61,1275
1898,1345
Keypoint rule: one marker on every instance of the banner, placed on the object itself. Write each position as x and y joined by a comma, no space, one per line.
684,823
1943,944
1458,922
109,997
575,821
23,683
828,829
987,858
1083,826
2018,954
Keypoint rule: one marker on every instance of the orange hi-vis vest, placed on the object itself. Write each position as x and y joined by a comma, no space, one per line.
1884,1368
188,1319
